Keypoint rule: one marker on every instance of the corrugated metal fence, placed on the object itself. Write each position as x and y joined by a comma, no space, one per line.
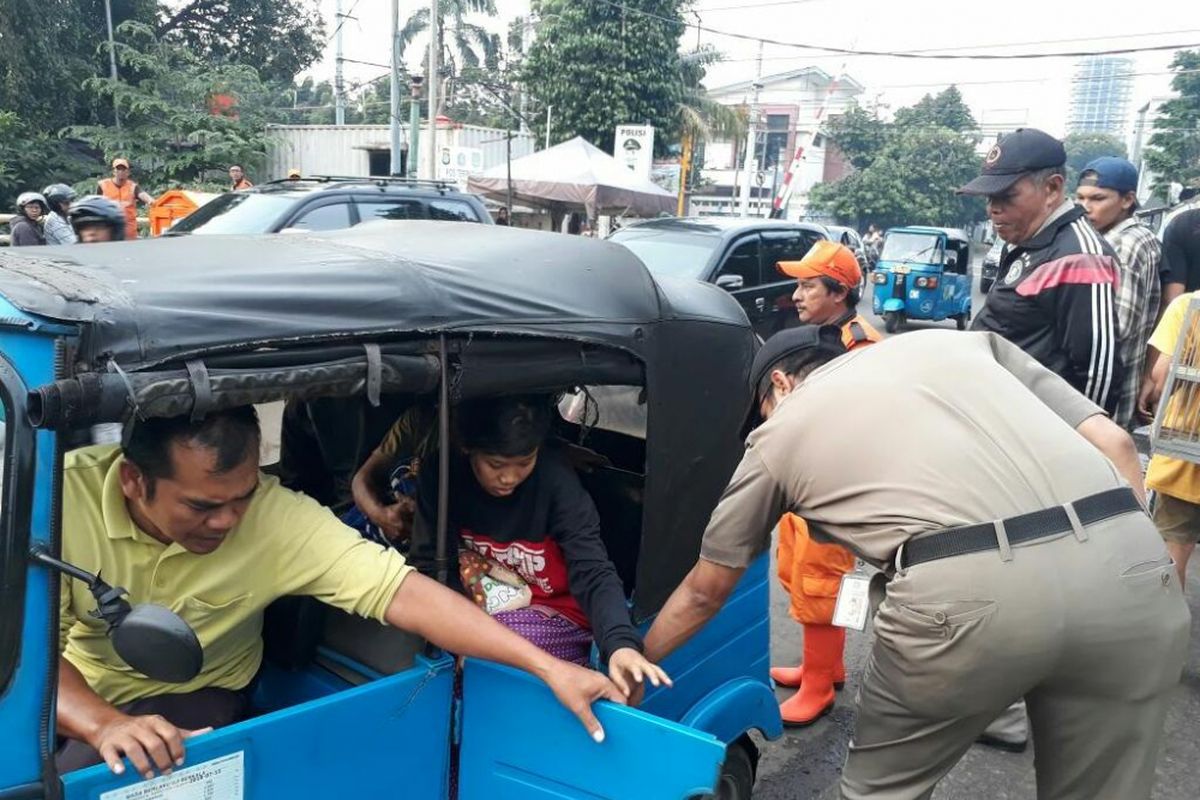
347,149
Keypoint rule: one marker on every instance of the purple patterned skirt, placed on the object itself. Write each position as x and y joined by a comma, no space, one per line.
551,631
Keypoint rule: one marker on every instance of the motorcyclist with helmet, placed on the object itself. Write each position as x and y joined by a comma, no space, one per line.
57,228
97,219
26,226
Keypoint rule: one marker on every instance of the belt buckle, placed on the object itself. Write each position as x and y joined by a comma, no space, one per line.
899,559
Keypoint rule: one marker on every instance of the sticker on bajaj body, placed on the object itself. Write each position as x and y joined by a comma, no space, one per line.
219,779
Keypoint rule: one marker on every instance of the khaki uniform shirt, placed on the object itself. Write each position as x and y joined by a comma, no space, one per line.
925,431
285,544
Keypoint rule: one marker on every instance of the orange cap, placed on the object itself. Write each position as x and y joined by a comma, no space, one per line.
828,259
120,162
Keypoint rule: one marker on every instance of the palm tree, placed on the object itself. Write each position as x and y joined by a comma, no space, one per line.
701,117
471,46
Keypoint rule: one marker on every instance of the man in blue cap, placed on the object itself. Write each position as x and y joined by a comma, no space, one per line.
1108,193
1053,296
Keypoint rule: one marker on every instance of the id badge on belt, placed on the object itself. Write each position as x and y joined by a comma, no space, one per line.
853,601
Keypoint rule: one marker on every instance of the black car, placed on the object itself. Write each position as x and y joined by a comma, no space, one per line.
991,266
738,255
326,203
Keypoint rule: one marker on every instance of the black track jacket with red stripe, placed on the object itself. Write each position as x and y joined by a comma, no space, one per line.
1053,298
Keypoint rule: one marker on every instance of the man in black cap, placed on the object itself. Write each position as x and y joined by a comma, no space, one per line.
1054,293
1006,510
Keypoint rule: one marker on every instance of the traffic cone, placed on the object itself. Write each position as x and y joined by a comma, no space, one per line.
793,677
823,646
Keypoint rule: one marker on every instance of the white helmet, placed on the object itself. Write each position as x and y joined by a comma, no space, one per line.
31,197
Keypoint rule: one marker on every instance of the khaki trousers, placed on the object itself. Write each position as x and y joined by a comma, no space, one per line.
1089,627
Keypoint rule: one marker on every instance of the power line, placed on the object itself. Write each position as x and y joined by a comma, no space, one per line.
757,5
348,15
889,53
1024,43
996,82
365,63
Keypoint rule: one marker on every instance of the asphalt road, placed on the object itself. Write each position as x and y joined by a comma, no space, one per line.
806,762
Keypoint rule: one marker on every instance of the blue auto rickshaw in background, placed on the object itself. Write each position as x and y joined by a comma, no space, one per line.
923,273
387,314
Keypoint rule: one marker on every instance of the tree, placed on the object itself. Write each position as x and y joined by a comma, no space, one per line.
1083,148
278,38
31,159
47,49
601,65
700,116
183,119
912,182
858,134
905,172
470,44
1174,151
947,110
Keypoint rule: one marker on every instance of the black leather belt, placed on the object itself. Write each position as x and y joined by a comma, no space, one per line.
1019,529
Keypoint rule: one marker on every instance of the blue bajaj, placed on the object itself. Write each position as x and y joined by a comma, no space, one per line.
923,273
653,376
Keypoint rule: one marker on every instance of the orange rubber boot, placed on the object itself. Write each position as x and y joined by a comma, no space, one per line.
793,677
823,646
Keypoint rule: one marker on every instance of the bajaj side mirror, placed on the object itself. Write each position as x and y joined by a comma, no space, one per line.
152,639
730,283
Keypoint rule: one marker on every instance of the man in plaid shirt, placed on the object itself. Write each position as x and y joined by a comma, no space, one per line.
1108,193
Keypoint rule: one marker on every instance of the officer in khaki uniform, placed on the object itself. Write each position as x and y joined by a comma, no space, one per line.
1022,564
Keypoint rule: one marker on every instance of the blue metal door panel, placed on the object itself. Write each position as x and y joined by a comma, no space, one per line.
733,648
385,739
32,356
518,743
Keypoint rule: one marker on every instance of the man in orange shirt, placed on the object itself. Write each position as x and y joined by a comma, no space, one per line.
238,176
125,193
827,293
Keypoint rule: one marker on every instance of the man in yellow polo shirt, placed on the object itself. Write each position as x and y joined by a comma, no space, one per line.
1176,482
181,516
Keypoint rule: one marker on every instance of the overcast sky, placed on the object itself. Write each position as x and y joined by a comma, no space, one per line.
1036,92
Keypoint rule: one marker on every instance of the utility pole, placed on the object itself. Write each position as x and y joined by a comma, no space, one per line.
751,137
339,88
508,159
548,108
435,52
685,168
394,116
112,60
414,126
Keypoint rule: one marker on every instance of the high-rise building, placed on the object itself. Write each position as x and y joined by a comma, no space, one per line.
1100,96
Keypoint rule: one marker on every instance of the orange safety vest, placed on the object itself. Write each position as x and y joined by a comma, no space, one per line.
242,185
811,572
126,197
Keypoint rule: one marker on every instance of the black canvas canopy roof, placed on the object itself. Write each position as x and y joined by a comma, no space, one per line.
184,325
163,300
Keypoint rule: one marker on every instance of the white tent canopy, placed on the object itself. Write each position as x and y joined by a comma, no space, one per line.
575,174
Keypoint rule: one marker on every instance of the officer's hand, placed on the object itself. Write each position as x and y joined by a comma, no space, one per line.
628,669
577,688
150,742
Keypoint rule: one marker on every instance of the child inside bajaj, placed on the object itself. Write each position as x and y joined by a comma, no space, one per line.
526,538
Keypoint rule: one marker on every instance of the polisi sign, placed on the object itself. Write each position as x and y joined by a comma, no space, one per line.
634,147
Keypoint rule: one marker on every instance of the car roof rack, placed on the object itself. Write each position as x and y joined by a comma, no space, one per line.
377,180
